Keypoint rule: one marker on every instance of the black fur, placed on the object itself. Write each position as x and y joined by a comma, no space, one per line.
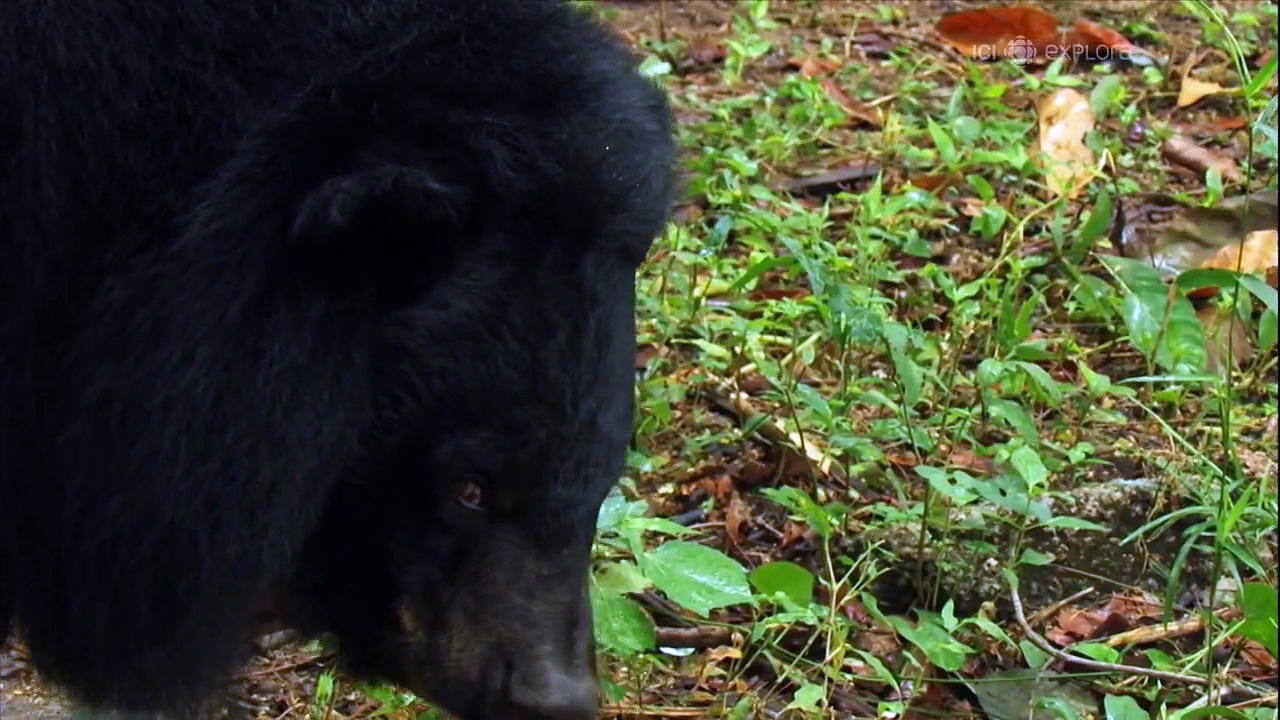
274,278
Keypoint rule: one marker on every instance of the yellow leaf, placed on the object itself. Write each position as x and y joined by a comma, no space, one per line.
1193,90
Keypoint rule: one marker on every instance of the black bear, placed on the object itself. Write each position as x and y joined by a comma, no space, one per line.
331,299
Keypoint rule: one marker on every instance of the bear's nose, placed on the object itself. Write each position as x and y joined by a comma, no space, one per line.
542,690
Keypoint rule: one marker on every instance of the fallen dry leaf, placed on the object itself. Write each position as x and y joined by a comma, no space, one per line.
1184,151
1255,254
1019,33
813,67
736,515
1065,119
1193,90
1095,37
856,109
1227,124
706,50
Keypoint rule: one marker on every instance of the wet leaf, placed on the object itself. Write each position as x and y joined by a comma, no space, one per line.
620,624
696,577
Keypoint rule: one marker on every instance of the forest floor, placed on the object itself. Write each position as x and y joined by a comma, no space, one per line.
888,363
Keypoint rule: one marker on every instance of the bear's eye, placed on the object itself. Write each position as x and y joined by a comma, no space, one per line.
469,492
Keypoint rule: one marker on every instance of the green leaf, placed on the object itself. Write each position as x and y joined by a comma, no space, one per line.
807,697
1176,343
1261,290
1018,419
1066,522
1106,94
1197,278
1097,651
942,650
1034,557
909,373
621,577
620,624
1029,465
1041,377
1259,81
786,578
1267,330
1099,221
1036,658
1258,602
696,577
616,509
946,147
1123,707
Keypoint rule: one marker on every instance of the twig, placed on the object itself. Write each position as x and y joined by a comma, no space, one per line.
1045,612
1037,640
1165,631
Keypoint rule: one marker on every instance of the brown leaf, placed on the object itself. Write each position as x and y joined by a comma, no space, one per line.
1222,125
813,67
935,183
736,516
706,50
856,109
1184,151
1100,36
992,33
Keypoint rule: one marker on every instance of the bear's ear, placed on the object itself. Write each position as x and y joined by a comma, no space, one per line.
386,232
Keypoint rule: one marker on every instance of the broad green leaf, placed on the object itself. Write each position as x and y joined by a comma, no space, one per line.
1175,342
696,577
808,697
780,576
620,624
1017,418
1258,602
942,650
1029,465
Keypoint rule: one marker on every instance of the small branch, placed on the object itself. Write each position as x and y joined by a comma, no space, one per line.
1039,641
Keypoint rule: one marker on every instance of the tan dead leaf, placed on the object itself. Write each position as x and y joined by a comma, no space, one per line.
1193,90
722,653
1065,119
971,206
1184,151
1256,254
